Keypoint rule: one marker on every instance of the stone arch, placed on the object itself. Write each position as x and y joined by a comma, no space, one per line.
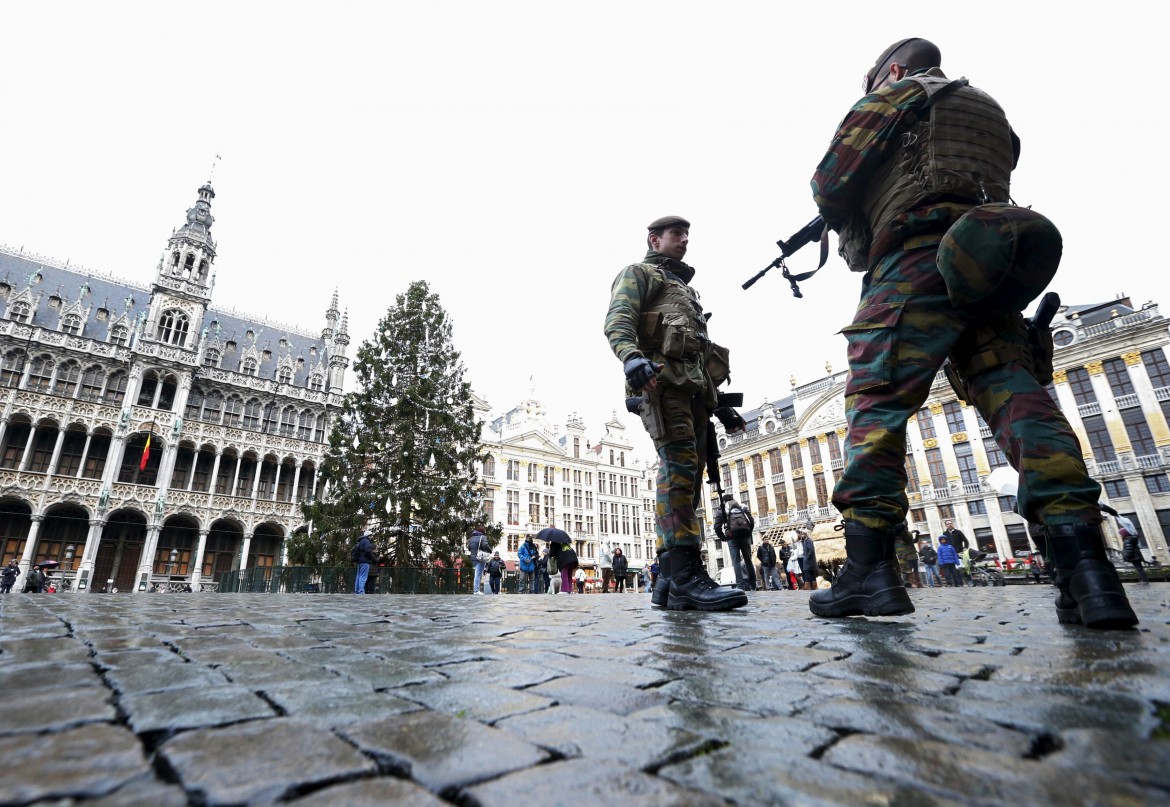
221,553
179,535
64,525
132,470
15,523
266,546
120,550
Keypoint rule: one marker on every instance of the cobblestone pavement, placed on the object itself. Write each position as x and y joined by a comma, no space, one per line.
977,698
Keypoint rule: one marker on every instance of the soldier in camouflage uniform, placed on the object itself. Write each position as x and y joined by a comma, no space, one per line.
891,184
656,327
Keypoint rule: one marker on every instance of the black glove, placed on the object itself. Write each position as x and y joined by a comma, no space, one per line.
731,420
639,371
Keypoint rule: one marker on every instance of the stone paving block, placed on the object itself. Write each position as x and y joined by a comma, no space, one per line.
440,751
1145,763
778,659
784,735
381,673
575,731
981,777
15,677
148,677
600,694
512,674
260,761
278,671
143,790
195,707
1038,707
897,718
889,675
228,654
385,790
626,674
62,650
771,778
123,639
24,711
85,761
728,692
335,705
484,702
582,782
136,658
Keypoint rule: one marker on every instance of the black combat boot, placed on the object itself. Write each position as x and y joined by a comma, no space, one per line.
1091,593
691,588
868,583
659,597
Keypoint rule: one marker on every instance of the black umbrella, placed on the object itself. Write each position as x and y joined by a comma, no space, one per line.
49,564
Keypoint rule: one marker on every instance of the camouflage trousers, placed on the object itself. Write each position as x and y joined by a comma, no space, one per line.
681,452
904,328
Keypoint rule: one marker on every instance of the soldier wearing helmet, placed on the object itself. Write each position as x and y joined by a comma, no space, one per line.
910,160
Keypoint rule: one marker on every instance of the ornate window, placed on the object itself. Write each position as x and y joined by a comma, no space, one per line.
91,383
194,403
115,388
248,366
147,388
211,357
269,426
19,311
120,335
284,375
13,368
288,422
40,374
232,408
319,429
67,375
172,327
71,324
305,425
316,383
252,410
212,406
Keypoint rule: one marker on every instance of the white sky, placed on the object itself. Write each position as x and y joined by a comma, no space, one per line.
511,153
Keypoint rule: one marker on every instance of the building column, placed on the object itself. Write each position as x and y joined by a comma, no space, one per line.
276,481
256,478
197,560
84,454
88,554
3,429
214,471
244,549
236,475
32,434
55,458
296,483
30,545
146,563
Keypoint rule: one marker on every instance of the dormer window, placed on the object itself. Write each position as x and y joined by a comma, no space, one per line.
71,324
284,375
172,327
248,366
211,357
316,383
19,312
120,335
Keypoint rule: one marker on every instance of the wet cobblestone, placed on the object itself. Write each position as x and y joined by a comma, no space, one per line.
977,698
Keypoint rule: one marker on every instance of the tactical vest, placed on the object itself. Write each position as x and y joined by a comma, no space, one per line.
961,152
672,331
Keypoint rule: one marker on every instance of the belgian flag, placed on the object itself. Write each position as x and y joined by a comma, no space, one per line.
145,454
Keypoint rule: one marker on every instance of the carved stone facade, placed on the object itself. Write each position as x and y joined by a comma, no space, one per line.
1112,381
149,439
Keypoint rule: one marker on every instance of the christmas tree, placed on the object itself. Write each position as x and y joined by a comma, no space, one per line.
402,456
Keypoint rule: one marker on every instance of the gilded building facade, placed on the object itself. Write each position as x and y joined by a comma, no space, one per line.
150,439
1112,381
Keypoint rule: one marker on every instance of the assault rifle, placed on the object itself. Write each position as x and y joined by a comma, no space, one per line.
812,231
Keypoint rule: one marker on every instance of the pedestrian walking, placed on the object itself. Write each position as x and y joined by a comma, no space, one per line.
929,558
657,329
560,546
948,561
580,580
769,576
605,563
1131,550
527,556
495,570
621,567
481,553
916,182
810,561
34,581
363,555
8,576
735,529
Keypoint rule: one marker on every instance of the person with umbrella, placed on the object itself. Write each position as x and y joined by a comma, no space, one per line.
560,546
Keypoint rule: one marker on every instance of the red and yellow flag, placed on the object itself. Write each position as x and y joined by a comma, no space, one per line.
145,455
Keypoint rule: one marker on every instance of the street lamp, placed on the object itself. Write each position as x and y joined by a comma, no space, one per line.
174,559
69,550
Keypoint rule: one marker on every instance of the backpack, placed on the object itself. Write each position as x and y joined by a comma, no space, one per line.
738,519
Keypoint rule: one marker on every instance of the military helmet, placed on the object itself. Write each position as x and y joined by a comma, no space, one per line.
999,257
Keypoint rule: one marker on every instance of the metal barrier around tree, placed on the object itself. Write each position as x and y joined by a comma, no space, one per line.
340,579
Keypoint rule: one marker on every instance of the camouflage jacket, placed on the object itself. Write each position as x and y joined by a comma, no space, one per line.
634,289
868,137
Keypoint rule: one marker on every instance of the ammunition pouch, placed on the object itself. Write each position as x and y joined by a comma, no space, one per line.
718,365
671,334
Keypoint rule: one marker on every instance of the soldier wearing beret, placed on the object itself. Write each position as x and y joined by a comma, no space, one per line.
657,328
910,160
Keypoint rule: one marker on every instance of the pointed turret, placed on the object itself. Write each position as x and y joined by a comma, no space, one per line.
330,318
191,249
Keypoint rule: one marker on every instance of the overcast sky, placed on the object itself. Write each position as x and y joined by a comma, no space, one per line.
512,153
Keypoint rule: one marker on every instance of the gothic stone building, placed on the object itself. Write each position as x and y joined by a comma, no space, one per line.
149,438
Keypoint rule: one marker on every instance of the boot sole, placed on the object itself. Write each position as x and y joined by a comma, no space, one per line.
683,603
1106,611
890,602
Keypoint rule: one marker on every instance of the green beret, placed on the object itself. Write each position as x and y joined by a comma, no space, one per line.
999,257
669,221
